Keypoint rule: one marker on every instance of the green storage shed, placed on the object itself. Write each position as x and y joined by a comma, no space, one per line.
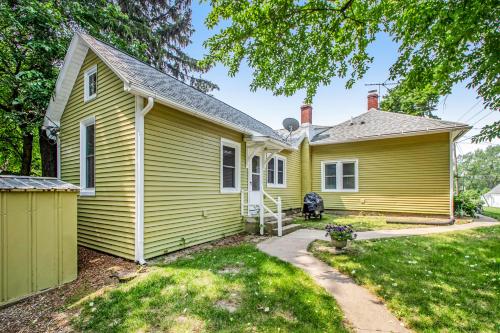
38,247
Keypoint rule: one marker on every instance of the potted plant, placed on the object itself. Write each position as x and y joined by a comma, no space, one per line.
340,234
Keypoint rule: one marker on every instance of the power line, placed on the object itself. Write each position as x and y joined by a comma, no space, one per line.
489,114
469,110
474,116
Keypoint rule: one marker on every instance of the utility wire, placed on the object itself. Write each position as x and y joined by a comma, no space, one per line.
489,114
469,110
474,115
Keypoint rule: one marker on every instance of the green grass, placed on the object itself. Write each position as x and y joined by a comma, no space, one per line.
359,223
185,296
439,283
493,212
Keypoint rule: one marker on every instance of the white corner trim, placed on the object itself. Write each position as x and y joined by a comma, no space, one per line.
237,147
84,191
86,74
140,112
339,176
452,162
277,157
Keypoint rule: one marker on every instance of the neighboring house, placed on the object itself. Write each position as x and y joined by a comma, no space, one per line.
492,198
163,166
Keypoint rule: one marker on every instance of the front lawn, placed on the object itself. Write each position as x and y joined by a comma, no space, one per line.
229,289
493,212
359,223
439,283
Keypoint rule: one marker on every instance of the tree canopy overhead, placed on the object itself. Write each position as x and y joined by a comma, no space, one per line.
301,45
34,37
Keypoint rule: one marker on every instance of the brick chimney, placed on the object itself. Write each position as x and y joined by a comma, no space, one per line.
372,100
306,114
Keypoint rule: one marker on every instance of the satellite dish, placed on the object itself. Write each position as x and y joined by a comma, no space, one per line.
291,124
52,133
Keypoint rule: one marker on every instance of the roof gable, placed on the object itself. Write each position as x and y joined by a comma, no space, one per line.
140,77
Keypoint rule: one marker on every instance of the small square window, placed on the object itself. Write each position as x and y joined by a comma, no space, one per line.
90,84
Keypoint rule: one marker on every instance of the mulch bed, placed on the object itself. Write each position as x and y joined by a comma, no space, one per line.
45,312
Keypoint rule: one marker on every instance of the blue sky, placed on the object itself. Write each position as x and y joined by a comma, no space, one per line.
333,103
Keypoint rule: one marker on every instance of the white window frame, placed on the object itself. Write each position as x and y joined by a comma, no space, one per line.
86,75
275,184
340,176
85,191
237,148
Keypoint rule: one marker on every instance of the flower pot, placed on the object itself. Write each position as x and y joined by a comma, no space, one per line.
339,244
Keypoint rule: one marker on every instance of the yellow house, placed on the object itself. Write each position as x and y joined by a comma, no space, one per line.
163,166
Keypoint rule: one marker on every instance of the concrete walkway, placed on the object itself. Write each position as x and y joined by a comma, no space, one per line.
364,311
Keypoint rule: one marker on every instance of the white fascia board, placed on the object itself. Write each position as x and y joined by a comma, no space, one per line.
273,143
73,60
145,93
390,136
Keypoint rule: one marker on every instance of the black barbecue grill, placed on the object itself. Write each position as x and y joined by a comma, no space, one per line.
313,206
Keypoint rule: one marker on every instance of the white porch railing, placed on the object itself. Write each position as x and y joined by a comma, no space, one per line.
262,209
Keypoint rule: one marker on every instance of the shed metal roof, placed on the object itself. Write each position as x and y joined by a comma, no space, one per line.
25,183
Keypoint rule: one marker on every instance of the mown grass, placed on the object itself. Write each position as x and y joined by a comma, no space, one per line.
231,289
440,283
359,223
493,212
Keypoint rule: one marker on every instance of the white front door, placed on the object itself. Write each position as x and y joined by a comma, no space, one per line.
254,184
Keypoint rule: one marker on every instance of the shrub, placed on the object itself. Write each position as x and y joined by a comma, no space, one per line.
340,232
468,203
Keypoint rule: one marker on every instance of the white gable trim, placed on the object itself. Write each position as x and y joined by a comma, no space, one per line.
73,62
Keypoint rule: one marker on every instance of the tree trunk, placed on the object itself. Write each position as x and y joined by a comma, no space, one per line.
48,154
27,154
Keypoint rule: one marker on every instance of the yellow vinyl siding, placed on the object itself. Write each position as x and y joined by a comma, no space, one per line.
291,194
106,222
183,205
404,175
305,167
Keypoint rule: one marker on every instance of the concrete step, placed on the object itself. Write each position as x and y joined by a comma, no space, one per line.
285,221
267,218
287,229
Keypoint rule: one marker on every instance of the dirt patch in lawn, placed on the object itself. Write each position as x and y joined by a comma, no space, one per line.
46,312
237,239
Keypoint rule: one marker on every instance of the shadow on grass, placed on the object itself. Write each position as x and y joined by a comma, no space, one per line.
183,297
447,282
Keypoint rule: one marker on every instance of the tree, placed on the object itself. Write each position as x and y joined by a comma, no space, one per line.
34,36
300,45
479,170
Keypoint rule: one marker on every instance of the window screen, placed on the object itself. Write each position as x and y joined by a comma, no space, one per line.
348,176
90,156
331,176
270,171
228,167
281,171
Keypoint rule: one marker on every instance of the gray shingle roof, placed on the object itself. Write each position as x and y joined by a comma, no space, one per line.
495,190
24,183
373,124
152,80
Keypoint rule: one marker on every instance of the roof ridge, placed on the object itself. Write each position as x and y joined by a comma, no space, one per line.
419,117
169,75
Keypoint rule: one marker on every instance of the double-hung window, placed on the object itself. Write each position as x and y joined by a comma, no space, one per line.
90,84
276,172
87,156
230,166
339,176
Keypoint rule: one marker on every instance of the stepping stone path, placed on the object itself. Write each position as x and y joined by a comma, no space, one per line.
364,311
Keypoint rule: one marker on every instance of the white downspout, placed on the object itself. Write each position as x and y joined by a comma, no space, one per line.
140,112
